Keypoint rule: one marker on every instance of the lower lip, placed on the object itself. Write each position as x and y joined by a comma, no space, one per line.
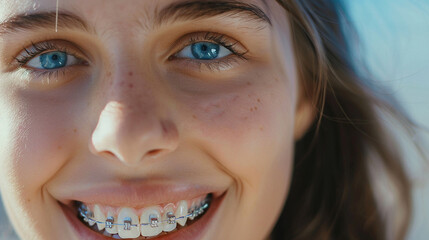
193,232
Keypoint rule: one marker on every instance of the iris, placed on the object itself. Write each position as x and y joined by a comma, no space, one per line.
53,60
205,50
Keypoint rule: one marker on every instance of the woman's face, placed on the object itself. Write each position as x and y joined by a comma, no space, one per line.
141,109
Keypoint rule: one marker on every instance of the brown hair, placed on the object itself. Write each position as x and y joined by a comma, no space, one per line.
332,195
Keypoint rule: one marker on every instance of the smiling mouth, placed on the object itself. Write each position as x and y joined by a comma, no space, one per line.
146,223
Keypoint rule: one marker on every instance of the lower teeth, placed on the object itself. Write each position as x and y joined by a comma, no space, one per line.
193,215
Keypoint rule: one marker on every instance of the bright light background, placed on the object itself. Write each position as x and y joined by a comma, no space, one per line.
395,36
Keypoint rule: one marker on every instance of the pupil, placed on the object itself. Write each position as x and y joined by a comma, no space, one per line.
205,50
53,60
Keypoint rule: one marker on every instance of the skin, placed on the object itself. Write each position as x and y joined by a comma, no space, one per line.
132,115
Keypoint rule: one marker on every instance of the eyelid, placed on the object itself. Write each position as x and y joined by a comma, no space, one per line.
231,44
36,49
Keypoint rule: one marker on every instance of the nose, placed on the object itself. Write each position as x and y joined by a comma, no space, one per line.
131,134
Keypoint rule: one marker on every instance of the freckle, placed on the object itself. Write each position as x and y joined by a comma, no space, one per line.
130,85
249,83
75,130
28,200
194,117
59,147
251,109
130,73
259,100
109,74
261,128
256,108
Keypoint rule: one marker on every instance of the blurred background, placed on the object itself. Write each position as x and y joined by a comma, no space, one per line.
395,37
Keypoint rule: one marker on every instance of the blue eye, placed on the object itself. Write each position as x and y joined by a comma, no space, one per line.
52,60
204,51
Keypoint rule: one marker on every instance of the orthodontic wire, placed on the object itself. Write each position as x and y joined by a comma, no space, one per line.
199,210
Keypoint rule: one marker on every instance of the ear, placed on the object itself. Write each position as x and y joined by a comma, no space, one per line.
304,116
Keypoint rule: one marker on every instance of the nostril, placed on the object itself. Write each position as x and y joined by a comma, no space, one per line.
108,154
153,153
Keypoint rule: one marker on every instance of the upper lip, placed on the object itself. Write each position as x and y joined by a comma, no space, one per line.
138,194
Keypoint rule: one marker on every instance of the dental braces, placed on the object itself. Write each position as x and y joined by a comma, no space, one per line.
154,222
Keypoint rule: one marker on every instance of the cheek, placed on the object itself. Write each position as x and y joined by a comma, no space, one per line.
40,136
249,131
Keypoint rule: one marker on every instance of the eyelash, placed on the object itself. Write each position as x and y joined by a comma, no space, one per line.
43,47
220,39
35,50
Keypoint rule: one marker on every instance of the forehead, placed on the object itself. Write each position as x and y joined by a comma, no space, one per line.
107,17
108,9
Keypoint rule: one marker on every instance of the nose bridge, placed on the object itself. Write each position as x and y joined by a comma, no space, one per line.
130,127
132,82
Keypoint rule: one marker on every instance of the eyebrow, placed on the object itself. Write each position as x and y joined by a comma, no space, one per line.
188,10
192,10
42,20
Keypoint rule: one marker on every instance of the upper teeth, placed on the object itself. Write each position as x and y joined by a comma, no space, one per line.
153,220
